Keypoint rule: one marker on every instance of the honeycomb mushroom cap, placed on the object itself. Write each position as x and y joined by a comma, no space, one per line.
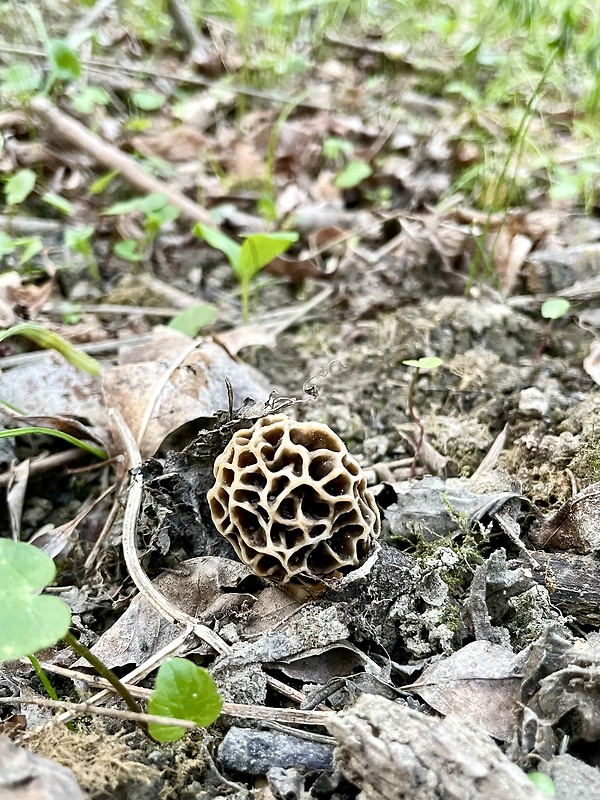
292,501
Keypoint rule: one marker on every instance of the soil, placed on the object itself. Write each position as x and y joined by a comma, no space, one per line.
485,472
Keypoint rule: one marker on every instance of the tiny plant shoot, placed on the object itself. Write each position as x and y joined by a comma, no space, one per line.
427,362
30,621
182,690
247,259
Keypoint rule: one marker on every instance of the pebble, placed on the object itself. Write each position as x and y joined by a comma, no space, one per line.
256,752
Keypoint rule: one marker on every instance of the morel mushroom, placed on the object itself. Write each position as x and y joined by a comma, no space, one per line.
292,501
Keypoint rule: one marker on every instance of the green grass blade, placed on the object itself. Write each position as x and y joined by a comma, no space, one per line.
89,448
52,341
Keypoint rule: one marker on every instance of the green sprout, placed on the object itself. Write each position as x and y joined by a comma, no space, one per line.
552,309
157,212
31,621
247,259
182,690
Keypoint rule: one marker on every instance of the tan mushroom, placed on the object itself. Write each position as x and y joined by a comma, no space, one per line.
292,501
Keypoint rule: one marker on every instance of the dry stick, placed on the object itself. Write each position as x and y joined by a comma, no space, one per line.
103,65
87,708
136,674
288,716
47,463
70,130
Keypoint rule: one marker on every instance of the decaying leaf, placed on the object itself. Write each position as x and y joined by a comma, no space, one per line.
201,587
480,682
160,386
575,526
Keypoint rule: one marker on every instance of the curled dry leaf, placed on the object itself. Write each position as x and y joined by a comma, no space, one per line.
168,382
480,682
200,587
575,526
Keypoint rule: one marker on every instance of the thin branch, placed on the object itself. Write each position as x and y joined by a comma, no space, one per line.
73,132
87,708
287,716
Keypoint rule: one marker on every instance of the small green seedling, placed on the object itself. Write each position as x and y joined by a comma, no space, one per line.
354,173
157,212
25,247
19,186
247,259
191,320
29,621
427,362
543,783
555,308
79,240
182,690
552,309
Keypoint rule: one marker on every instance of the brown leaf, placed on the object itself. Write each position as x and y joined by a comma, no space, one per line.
480,682
160,386
195,587
575,526
183,143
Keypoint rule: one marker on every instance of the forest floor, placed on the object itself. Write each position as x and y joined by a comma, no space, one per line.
428,216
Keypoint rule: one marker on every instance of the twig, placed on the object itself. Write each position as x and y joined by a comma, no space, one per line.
37,466
75,133
103,65
199,47
103,670
87,708
93,15
287,716
138,673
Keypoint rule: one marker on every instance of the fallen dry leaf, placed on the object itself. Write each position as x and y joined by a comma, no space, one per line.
160,386
480,682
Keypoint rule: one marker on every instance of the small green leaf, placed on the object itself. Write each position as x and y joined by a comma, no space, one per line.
220,241
28,621
19,186
154,202
101,183
29,246
184,691
58,202
128,250
427,362
124,207
259,249
193,319
147,101
543,783
86,101
20,79
64,60
8,245
353,173
555,307
78,239
52,341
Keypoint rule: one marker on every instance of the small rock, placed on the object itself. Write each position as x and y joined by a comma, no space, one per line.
533,402
256,752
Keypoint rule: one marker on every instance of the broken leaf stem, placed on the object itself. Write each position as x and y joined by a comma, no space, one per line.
103,670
